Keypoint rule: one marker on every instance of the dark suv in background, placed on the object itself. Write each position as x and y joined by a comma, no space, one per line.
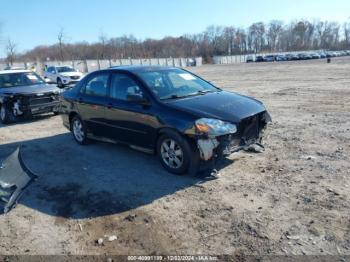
23,94
182,118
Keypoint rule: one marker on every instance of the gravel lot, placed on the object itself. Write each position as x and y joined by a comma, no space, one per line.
292,199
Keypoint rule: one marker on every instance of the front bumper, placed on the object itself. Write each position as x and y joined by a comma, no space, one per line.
250,132
70,81
224,146
37,104
44,108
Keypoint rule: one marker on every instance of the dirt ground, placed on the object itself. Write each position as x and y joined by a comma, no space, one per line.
292,199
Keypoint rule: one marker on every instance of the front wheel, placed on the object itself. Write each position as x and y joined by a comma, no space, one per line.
174,152
59,83
79,130
6,115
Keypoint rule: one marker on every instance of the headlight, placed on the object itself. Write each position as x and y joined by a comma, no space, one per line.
214,127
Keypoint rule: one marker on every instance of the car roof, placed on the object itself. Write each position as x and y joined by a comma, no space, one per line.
14,71
141,68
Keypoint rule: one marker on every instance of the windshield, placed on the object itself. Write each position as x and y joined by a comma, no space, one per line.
63,69
175,83
20,79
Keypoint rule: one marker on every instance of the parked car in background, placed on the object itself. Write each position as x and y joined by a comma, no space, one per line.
249,59
329,54
281,58
62,75
191,62
296,57
269,58
315,56
14,68
304,56
23,94
259,58
182,118
288,57
322,55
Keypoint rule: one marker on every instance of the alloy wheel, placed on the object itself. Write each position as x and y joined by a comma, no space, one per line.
172,153
59,83
78,130
3,113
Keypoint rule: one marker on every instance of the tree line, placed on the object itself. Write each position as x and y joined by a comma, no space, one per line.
275,36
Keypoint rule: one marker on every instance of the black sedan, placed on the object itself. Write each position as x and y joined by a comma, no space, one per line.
182,118
23,94
259,58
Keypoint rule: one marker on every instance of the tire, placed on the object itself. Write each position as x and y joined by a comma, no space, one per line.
6,115
59,83
79,136
174,152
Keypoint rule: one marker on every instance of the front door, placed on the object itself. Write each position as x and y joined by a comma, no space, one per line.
129,122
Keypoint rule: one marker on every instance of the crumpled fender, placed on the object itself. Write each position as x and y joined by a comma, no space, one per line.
15,177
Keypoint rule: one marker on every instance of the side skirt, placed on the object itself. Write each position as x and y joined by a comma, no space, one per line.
108,140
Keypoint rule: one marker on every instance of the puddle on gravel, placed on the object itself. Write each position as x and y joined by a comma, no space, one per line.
71,201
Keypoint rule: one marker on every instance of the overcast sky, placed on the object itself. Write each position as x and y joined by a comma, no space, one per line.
33,22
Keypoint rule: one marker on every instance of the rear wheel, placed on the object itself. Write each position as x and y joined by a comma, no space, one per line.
79,130
174,152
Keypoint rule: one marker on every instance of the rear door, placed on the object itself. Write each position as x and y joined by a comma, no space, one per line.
129,122
92,102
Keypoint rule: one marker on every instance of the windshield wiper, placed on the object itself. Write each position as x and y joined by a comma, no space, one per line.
204,91
175,96
171,97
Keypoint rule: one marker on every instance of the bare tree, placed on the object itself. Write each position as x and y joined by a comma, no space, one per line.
10,50
346,28
61,37
0,32
274,34
215,40
102,45
257,36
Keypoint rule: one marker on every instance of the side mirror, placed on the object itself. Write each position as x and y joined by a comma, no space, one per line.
137,99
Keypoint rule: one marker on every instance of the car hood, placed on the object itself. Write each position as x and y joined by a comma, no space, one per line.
28,90
71,74
222,105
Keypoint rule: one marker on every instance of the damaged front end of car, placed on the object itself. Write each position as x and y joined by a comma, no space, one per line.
14,178
26,105
216,138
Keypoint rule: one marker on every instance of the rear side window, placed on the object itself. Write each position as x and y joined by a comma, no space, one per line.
122,85
97,85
